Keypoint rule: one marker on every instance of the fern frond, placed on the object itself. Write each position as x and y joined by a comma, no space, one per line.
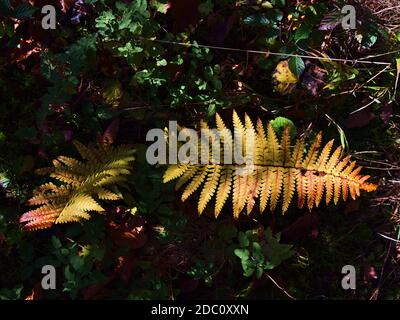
82,183
278,173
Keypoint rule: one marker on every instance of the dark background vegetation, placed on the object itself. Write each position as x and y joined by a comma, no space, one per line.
104,65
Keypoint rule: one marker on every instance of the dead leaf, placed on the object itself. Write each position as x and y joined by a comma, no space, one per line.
313,78
284,81
111,132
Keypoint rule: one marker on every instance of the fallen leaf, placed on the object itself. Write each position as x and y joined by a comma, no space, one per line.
313,78
111,132
284,81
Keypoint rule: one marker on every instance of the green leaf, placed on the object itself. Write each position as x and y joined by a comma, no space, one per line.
248,270
24,10
162,63
77,262
256,20
56,242
275,252
160,7
280,123
279,3
274,15
368,40
302,33
243,254
243,240
297,66
259,272
4,180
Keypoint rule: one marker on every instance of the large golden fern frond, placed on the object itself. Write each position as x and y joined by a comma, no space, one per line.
278,172
81,185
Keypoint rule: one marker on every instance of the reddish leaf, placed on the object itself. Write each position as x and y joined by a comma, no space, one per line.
359,119
313,78
111,132
130,234
36,293
66,4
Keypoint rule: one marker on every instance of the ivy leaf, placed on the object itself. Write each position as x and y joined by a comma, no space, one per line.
297,66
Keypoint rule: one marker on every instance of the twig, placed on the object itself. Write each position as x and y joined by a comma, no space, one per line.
267,52
281,288
386,9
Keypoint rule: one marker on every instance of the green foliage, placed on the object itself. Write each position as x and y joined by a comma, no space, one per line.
257,254
120,63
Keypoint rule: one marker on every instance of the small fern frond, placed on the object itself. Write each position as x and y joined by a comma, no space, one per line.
279,171
82,183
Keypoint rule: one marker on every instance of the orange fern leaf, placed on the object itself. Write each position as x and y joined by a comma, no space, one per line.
277,173
83,183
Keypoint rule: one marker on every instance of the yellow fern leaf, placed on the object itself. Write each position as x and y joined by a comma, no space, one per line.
224,189
195,184
82,182
277,173
209,187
